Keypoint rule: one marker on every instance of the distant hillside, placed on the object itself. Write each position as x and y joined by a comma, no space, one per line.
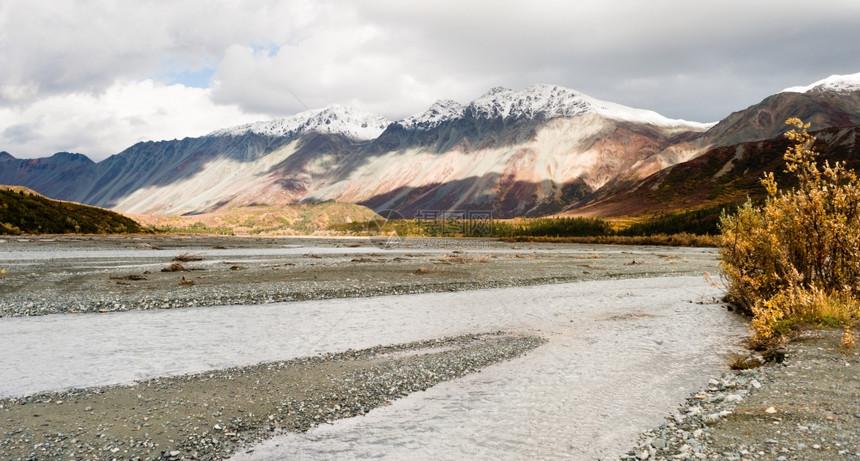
723,175
300,219
23,211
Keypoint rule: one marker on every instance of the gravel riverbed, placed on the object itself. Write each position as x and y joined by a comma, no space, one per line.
209,416
74,274
807,407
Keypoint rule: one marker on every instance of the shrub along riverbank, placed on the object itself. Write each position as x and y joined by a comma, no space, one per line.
794,259
692,228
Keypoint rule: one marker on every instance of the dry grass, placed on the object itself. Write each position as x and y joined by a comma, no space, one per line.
848,339
743,362
187,257
457,257
175,267
425,270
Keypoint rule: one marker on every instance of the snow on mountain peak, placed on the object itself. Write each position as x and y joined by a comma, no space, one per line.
837,83
439,112
335,118
537,101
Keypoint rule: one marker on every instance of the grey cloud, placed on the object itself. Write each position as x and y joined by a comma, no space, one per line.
706,59
693,60
23,133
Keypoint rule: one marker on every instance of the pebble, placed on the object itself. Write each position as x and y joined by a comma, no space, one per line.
825,401
685,434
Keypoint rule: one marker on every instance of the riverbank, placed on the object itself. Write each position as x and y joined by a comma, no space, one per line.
806,407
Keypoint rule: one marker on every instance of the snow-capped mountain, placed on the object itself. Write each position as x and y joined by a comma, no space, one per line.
835,83
537,102
528,152
332,119
441,111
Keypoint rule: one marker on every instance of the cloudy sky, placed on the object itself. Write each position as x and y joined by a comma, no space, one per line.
97,76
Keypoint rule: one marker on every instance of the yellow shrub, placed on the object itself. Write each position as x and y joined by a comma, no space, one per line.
797,257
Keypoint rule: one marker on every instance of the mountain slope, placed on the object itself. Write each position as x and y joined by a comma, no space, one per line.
63,175
528,167
530,152
525,152
723,175
832,102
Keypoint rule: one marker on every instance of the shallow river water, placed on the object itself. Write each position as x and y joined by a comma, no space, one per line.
621,354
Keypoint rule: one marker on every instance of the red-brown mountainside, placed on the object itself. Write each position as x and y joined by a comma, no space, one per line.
820,107
723,175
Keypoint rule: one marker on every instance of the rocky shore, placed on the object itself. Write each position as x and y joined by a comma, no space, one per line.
803,406
211,415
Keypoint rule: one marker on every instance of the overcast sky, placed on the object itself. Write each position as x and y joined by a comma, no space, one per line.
97,76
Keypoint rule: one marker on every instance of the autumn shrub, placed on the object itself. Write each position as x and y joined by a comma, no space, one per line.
796,257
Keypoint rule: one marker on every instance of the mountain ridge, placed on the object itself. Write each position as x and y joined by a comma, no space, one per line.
530,152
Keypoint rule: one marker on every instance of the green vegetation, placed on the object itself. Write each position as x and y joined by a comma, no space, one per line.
693,228
25,212
520,227
703,221
795,258
197,228
674,240
552,227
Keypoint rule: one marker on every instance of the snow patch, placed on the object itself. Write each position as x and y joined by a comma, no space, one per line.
836,83
538,101
334,119
440,112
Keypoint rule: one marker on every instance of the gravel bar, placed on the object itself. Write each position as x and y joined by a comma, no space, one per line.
109,274
210,415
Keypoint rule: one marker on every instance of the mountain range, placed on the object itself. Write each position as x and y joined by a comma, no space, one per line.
539,151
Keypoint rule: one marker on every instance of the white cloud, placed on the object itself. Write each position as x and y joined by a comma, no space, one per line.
106,123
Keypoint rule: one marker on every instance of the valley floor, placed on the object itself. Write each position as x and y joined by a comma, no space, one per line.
74,274
655,336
